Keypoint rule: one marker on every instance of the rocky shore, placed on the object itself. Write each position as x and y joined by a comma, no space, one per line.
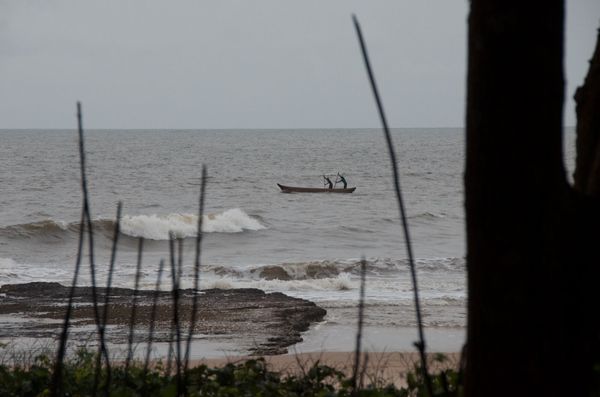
265,323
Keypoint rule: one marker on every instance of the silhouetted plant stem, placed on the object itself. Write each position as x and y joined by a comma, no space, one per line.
176,298
179,260
175,276
138,271
196,287
363,371
88,218
170,351
103,350
153,315
88,222
361,316
58,365
421,343
172,329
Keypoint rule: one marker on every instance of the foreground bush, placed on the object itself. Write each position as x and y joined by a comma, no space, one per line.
251,378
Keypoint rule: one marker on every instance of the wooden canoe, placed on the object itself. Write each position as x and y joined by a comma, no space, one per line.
294,189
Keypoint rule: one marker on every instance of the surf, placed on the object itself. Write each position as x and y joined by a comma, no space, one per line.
152,227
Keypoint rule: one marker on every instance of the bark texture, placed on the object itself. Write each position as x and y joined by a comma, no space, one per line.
531,239
587,97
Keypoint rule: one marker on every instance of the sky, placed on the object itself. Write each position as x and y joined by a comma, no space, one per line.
245,64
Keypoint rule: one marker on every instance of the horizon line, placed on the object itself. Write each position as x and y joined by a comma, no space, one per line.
230,129
214,129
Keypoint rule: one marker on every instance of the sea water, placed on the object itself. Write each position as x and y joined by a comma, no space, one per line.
254,236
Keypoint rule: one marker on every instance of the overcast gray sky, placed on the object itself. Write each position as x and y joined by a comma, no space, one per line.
245,64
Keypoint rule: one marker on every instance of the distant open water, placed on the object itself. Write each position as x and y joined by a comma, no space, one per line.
312,242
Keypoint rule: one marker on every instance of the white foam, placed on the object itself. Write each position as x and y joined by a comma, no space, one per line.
157,227
220,284
7,263
231,221
13,272
9,270
342,282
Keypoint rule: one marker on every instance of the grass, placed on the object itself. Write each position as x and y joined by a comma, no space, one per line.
253,377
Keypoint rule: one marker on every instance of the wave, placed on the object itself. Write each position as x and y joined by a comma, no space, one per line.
332,284
47,228
154,227
427,216
9,270
157,227
328,269
341,282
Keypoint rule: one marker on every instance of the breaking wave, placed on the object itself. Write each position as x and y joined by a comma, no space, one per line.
9,270
157,227
341,282
46,228
154,227
330,269
332,284
427,216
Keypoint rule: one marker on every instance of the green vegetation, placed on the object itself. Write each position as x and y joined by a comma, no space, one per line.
250,378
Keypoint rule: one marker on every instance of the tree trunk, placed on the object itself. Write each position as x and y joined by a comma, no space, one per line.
531,260
587,97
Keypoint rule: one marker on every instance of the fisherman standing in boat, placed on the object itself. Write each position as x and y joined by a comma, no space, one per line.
342,180
328,181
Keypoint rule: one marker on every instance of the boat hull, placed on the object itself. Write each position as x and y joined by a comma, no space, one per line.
295,189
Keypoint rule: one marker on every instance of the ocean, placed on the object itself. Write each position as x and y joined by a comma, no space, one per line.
304,245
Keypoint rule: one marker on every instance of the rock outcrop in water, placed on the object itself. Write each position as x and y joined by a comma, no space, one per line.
265,323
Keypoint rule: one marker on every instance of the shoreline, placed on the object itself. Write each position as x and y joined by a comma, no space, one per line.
330,337
231,323
221,349
321,338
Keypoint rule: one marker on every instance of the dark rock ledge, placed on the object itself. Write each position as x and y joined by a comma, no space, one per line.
265,323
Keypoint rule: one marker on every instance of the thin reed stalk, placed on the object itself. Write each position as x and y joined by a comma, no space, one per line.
365,366
176,319
88,219
196,287
361,316
58,365
421,343
103,350
138,271
175,275
170,351
153,315
88,222
179,259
